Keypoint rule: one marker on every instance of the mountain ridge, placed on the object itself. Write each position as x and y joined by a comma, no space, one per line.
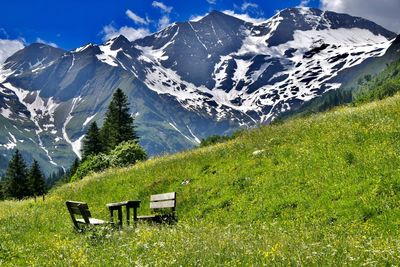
244,73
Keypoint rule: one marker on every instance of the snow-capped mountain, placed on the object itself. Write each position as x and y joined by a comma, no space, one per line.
186,82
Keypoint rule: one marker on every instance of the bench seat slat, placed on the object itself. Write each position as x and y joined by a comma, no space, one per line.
162,204
81,209
162,197
147,217
92,221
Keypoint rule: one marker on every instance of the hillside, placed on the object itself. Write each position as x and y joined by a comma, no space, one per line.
380,86
316,191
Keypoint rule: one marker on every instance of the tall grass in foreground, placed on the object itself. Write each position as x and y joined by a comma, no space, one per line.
323,190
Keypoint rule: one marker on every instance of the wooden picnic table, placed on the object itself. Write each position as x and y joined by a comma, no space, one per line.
130,204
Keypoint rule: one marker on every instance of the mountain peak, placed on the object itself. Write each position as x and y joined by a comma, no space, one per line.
119,38
307,19
32,55
34,46
216,15
119,42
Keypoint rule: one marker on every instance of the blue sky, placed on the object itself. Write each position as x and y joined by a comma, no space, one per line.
72,23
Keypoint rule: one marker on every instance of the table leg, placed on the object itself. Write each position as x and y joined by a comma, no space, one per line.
120,216
135,214
111,216
127,215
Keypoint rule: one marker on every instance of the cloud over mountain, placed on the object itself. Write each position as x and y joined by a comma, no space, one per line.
9,47
383,12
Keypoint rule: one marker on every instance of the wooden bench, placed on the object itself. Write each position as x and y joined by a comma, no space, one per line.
81,209
164,206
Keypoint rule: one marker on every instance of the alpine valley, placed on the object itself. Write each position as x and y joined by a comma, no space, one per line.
186,82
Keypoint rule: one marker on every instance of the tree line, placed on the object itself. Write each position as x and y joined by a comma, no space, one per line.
21,182
113,145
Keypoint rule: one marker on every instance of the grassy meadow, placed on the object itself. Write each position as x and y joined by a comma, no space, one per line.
317,191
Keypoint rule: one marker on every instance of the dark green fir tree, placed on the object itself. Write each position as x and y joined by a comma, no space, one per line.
74,167
92,144
16,179
36,180
118,123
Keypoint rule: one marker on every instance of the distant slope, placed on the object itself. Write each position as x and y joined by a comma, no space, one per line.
362,83
316,191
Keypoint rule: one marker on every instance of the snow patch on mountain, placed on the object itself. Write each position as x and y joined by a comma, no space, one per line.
6,112
12,142
38,109
82,48
179,131
88,119
76,144
108,55
194,136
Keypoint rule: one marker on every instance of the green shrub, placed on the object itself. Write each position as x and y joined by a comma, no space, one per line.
127,153
94,163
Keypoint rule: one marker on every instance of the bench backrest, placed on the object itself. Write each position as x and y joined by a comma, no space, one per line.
78,208
161,201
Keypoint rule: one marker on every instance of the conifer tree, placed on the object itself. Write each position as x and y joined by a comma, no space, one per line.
92,144
16,179
36,180
74,167
118,123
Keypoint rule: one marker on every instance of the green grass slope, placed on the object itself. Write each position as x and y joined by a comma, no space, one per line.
317,191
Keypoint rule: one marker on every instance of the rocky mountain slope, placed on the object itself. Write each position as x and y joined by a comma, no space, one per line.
184,83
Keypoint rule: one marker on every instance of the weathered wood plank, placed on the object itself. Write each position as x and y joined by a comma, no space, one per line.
74,210
162,197
82,209
162,204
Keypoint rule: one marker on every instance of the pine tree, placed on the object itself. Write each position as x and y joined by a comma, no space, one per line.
16,179
36,180
55,178
118,123
92,144
74,167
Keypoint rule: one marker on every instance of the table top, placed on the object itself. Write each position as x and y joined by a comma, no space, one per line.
130,203
133,203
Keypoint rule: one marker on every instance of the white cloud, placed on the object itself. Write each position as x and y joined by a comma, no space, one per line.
247,5
304,3
131,34
245,17
384,12
40,40
162,6
8,48
137,19
196,18
212,2
163,22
